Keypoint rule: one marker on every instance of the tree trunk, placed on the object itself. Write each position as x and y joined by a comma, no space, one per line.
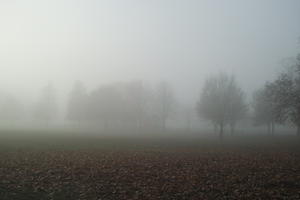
272,128
298,130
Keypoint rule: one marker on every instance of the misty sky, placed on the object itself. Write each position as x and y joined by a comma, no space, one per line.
180,41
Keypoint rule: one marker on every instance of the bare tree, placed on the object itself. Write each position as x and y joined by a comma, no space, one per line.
217,101
288,94
284,97
165,100
295,97
237,107
264,108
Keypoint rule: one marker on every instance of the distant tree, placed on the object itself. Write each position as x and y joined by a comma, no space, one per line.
237,107
46,107
165,102
77,105
137,100
105,105
281,91
294,111
221,102
212,103
126,104
288,95
264,108
284,96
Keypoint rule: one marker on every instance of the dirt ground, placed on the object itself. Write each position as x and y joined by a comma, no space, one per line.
152,170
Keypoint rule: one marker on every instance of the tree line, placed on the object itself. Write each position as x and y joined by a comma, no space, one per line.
136,105
278,102
223,102
127,105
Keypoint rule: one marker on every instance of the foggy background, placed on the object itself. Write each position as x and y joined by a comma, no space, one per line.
104,42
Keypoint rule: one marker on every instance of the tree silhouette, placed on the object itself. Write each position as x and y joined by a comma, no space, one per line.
165,102
221,101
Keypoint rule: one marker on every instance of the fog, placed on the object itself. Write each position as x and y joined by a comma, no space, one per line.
149,99
107,43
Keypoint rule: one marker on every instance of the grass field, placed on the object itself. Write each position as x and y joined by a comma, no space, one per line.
38,165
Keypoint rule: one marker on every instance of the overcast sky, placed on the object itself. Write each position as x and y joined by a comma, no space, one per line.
180,41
